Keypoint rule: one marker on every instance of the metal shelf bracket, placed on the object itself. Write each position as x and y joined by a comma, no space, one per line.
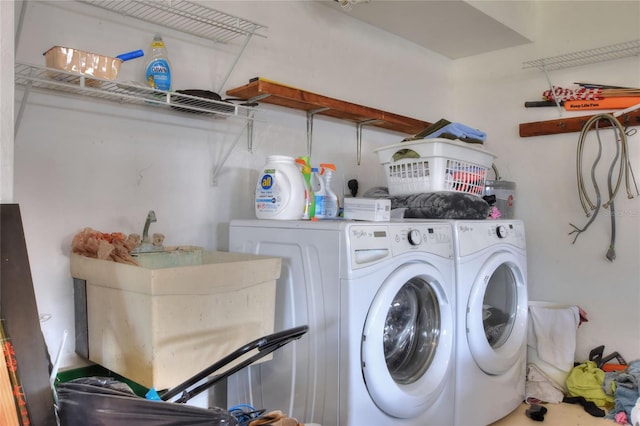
310,115
216,170
359,138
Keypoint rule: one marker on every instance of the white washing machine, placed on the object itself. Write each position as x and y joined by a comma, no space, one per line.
491,275
379,300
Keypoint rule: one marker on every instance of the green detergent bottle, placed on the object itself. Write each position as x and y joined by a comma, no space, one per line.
310,201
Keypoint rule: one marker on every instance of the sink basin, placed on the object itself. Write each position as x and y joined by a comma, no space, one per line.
171,257
162,322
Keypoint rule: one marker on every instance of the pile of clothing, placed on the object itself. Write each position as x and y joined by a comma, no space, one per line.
611,394
446,129
622,386
604,389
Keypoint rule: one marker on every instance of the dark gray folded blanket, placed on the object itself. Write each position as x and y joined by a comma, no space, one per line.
435,205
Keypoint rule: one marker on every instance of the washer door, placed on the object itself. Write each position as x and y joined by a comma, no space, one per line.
497,314
407,341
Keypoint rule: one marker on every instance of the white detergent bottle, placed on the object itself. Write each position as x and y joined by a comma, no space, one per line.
331,201
320,193
280,191
158,74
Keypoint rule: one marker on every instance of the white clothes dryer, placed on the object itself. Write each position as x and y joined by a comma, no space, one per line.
491,276
379,300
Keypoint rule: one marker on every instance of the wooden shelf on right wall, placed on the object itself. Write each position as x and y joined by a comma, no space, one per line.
583,57
572,124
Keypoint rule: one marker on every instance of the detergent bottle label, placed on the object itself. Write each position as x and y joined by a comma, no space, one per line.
321,207
268,193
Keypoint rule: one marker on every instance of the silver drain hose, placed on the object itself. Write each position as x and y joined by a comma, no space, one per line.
622,153
611,253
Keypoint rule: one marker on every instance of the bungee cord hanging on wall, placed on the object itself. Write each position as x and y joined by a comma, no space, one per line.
621,160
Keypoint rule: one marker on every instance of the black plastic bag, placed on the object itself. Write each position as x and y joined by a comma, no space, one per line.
103,401
82,404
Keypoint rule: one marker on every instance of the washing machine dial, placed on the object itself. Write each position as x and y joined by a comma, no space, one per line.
501,231
414,237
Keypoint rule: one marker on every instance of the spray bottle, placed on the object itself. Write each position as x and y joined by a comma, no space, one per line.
331,200
319,192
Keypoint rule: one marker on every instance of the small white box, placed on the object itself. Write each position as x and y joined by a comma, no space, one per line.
372,209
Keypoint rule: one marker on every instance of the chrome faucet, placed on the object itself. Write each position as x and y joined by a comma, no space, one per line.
146,245
151,218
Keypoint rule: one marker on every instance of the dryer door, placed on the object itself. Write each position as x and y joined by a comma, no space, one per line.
407,341
496,318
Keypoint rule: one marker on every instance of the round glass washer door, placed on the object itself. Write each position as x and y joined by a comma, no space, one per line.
497,314
407,342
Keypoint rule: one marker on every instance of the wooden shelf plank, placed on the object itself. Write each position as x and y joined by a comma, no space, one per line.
278,94
572,124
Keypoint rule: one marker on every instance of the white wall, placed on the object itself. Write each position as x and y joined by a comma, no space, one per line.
6,100
490,91
80,163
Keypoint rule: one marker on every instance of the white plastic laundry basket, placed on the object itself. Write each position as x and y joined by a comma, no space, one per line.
432,165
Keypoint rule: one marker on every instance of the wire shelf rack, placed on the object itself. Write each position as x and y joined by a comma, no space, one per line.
584,57
33,76
185,16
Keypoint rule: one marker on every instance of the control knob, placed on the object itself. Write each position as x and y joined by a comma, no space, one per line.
501,231
414,237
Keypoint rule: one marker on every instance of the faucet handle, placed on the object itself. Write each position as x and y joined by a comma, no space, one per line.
157,239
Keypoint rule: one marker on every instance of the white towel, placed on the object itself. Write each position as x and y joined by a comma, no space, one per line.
541,387
555,330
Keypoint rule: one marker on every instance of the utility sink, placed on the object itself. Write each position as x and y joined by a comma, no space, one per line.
183,309
173,256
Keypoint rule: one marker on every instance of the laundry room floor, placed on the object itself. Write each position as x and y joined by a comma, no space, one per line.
562,414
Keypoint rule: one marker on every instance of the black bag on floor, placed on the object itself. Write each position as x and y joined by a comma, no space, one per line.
83,404
107,402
